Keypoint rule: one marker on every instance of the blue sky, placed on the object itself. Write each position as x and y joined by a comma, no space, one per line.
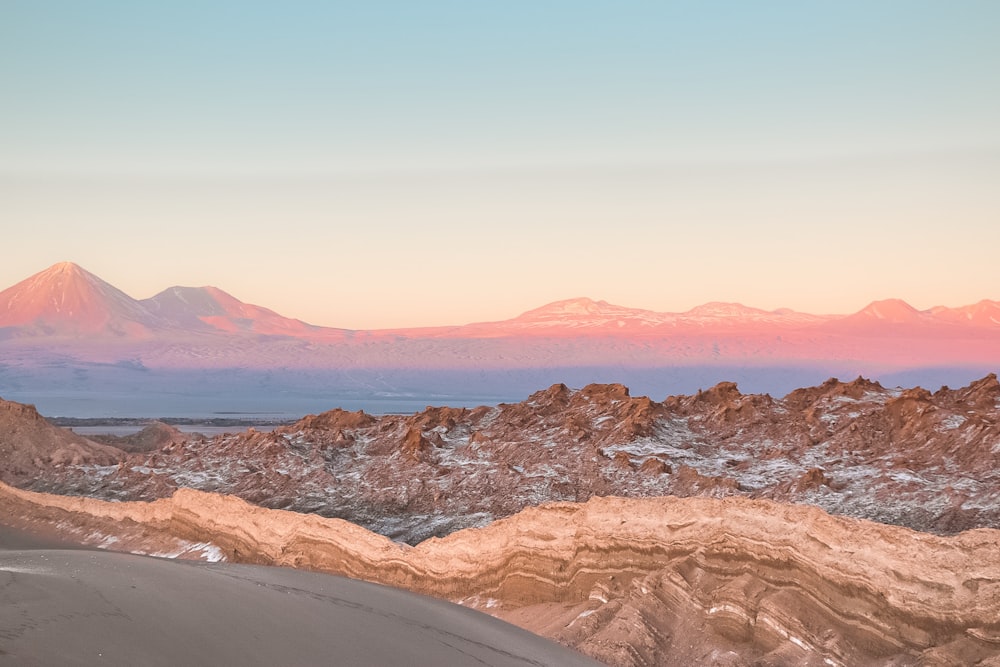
380,164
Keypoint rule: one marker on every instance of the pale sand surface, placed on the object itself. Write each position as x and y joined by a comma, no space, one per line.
87,607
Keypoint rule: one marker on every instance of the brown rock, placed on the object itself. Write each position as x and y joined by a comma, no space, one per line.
889,456
335,419
622,460
415,446
155,435
30,447
655,466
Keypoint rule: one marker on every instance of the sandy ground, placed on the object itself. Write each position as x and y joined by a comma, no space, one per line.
83,607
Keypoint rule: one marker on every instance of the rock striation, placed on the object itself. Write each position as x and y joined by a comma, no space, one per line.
662,581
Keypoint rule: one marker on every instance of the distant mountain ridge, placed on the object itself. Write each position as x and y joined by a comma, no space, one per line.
200,307
69,340
67,300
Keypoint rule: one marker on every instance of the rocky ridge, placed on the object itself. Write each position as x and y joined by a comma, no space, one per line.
30,446
154,435
929,461
662,581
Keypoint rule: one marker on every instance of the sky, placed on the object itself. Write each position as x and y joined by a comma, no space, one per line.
385,164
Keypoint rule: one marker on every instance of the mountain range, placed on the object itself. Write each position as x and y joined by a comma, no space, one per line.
67,330
66,300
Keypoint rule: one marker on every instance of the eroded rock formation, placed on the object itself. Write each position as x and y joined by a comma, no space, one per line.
662,581
929,461
30,446
153,436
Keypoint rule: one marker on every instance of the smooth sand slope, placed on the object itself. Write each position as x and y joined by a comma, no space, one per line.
82,607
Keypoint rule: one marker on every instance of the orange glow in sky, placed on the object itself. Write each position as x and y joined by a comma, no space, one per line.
359,168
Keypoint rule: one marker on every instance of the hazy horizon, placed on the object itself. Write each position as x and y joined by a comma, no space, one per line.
388,165
529,307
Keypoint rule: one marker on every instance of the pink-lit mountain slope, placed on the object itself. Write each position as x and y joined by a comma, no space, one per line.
68,300
201,307
583,316
68,313
939,326
983,314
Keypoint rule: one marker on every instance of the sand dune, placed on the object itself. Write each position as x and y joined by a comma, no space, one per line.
85,607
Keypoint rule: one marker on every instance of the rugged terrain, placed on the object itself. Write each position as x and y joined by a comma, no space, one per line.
618,566
929,461
154,435
30,446
658,581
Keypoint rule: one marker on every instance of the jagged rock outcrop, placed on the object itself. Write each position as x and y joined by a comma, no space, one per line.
155,435
912,458
337,419
30,446
662,581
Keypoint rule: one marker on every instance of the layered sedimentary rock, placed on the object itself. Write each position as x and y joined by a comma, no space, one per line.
662,581
929,461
